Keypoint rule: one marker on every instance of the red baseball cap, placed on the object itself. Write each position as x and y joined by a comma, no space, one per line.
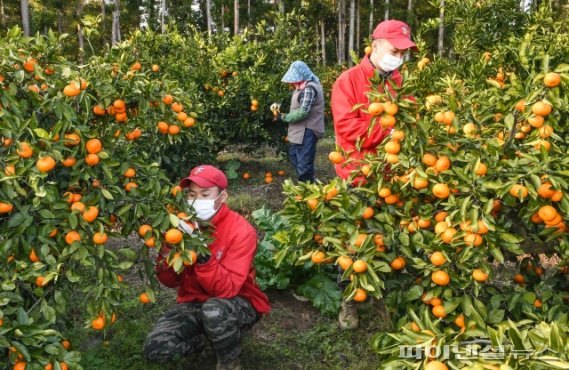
396,32
205,176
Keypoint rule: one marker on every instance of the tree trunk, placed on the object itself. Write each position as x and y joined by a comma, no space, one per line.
358,39
116,29
410,15
2,15
370,17
208,16
235,17
24,11
222,17
163,16
351,29
386,10
323,39
341,33
441,28
79,14
249,13
59,21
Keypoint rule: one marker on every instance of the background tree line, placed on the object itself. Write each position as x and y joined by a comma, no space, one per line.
337,26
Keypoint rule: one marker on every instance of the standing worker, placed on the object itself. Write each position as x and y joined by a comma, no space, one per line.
305,119
390,41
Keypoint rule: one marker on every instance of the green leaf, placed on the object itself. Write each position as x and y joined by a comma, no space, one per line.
414,293
41,133
322,292
107,194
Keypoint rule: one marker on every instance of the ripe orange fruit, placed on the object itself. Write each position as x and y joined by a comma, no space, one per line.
45,164
24,150
136,66
143,297
33,256
459,321
536,121
150,242
366,170
520,279
375,109
368,213
541,108
155,68
360,239
420,183
398,263
543,143
387,120
557,196
392,147
189,122
93,146
440,216
537,303
552,79
439,311
92,159
317,257
100,238
69,162
473,239
130,185
367,50
331,194
173,236
442,164
448,117
72,236
479,275
71,90
336,157
360,296
177,107
545,190
220,93
547,213
19,365
390,108
168,99
436,365
438,258
90,214
378,240
360,266
481,169
448,234
441,191
40,281
344,262
98,323
440,277
384,192
520,105
518,191
398,135
312,203
130,172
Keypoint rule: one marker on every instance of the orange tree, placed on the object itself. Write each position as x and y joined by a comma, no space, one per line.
237,78
82,159
473,174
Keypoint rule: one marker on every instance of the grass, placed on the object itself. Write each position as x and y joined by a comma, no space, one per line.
293,336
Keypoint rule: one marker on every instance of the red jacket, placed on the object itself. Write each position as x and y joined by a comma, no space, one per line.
350,125
229,271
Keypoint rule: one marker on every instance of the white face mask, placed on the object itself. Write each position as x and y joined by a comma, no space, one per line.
205,208
390,63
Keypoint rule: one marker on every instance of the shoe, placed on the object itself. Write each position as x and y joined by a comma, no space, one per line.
233,365
348,316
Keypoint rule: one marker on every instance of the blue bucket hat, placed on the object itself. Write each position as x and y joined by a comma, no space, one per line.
298,72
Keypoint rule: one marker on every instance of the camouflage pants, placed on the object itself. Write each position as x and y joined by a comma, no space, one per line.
187,328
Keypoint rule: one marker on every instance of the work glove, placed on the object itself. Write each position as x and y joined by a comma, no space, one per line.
275,108
185,227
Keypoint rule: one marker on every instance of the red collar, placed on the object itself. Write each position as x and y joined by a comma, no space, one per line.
220,215
368,68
